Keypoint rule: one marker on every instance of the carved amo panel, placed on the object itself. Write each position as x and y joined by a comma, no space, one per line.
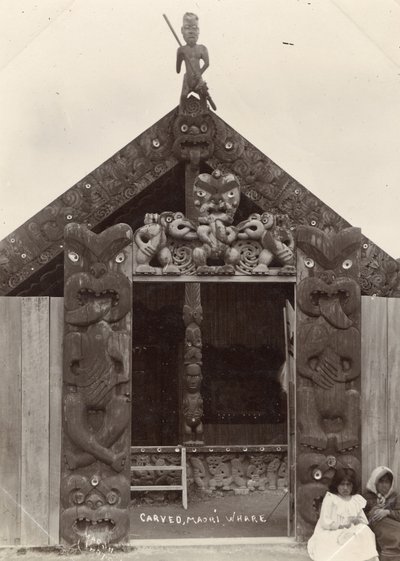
328,363
96,391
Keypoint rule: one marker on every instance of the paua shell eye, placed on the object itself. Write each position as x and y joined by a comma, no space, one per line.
347,264
112,498
231,194
168,219
120,257
73,256
203,127
184,128
317,474
201,193
78,497
308,262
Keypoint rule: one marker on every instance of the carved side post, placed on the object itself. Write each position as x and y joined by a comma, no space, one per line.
95,477
192,402
328,364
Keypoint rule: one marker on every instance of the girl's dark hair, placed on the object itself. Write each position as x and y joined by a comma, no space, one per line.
341,474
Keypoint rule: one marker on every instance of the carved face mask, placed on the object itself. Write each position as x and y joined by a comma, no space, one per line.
216,196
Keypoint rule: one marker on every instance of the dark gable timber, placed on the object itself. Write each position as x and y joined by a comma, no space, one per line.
31,261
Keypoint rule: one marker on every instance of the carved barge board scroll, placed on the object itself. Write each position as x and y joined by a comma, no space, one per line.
328,363
95,486
192,402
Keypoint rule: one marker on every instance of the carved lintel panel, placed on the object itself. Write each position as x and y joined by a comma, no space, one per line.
328,362
192,401
95,488
171,244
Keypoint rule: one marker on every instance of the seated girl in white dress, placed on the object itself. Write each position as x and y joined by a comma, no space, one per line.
342,532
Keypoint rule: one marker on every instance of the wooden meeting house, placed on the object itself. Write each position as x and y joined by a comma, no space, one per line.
189,315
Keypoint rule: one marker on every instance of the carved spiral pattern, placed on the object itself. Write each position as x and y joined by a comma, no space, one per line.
159,169
72,198
193,106
130,192
249,253
46,256
182,258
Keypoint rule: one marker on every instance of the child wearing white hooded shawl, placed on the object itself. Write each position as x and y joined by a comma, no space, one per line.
383,511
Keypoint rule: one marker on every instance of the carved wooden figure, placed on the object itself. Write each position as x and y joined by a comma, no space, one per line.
95,489
217,197
328,362
192,402
152,242
192,54
270,238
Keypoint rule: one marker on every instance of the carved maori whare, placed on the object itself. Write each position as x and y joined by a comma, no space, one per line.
192,402
95,487
328,362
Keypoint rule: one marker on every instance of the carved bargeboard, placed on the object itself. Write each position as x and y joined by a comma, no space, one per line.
328,363
95,486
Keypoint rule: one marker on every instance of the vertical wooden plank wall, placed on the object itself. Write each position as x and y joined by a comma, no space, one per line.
374,344
393,385
35,420
30,416
380,384
10,420
55,415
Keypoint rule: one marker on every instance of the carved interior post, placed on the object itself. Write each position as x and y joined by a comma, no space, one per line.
95,485
328,364
192,402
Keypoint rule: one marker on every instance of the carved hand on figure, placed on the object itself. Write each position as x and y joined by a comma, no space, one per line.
148,250
148,239
327,372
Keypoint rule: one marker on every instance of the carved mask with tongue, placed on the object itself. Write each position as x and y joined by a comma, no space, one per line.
96,287
329,272
332,311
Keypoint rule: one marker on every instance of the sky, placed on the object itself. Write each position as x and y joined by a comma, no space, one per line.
313,84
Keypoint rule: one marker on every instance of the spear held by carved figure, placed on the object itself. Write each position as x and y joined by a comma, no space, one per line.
191,54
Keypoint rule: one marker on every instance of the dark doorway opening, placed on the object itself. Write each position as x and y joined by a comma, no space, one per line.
158,334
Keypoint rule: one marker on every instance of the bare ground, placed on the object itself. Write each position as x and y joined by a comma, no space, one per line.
276,552
258,514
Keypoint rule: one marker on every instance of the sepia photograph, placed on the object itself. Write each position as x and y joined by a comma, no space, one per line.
200,280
